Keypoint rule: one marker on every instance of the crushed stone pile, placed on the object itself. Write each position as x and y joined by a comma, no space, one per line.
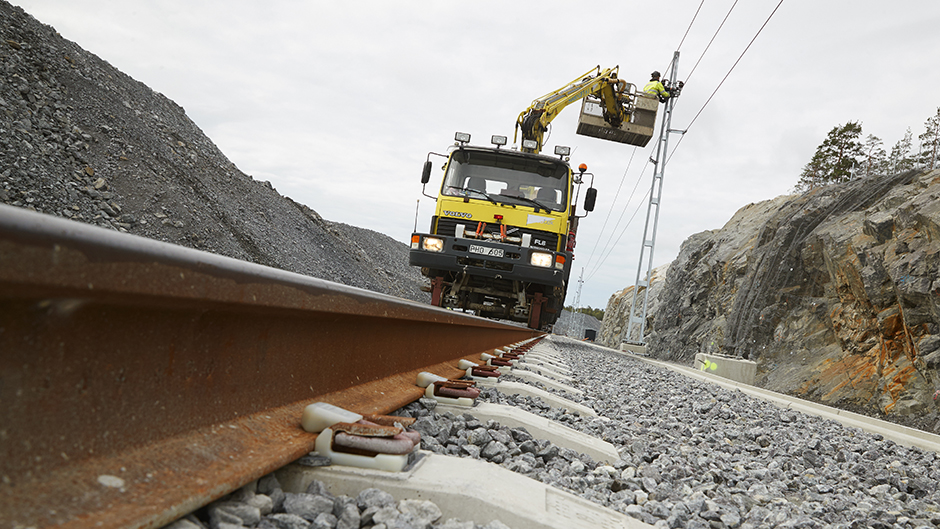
81,140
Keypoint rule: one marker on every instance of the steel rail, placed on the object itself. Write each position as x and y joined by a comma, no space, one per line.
140,380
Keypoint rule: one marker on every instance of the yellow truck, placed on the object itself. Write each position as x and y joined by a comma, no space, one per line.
502,238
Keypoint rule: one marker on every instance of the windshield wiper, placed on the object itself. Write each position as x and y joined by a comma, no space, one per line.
469,189
531,201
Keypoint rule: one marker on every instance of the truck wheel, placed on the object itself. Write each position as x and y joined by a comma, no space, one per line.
535,311
437,291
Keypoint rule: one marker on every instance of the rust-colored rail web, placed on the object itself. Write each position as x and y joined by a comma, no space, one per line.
140,380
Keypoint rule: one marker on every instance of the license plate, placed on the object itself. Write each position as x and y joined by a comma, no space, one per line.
483,250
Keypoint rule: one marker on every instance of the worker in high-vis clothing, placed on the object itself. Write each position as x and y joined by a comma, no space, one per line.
656,88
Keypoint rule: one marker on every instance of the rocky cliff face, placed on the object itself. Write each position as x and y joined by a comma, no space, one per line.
617,314
834,293
81,140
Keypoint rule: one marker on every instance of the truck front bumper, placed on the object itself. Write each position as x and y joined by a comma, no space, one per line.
487,258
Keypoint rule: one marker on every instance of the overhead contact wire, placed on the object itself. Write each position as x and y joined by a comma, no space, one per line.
624,230
632,193
710,42
608,247
725,78
611,209
681,42
690,25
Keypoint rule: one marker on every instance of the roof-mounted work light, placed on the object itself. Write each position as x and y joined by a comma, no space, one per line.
530,144
498,141
561,150
462,137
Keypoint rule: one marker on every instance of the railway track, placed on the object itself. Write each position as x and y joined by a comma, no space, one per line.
141,380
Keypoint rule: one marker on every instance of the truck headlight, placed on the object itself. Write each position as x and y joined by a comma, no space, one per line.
432,244
544,260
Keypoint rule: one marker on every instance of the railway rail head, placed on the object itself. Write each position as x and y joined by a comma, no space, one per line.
141,380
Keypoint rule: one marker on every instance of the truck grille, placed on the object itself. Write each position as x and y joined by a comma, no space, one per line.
540,239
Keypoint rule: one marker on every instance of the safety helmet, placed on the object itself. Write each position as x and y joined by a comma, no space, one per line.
655,75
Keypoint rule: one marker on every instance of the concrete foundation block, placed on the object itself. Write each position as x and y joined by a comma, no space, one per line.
737,369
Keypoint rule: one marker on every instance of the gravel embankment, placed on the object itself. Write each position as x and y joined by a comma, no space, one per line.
83,141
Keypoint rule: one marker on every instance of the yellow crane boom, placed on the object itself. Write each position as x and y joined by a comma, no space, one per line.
613,93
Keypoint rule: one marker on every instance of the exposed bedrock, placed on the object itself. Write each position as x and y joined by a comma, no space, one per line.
835,293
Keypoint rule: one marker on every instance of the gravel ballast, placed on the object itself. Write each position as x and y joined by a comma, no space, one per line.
82,141
694,455
264,505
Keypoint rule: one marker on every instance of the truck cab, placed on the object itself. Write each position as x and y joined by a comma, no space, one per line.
501,241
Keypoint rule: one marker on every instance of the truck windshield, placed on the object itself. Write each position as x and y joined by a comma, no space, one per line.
508,178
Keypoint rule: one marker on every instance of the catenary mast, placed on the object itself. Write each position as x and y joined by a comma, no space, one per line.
636,325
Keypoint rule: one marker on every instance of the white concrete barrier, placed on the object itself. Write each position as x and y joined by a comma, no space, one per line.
636,349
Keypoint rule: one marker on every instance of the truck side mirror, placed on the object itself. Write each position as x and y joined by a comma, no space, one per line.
426,173
589,199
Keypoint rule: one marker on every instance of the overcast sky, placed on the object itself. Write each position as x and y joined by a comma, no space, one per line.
338,103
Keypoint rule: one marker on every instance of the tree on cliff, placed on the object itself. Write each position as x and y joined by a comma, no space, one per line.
930,142
597,313
836,159
842,156
875,155
900,159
